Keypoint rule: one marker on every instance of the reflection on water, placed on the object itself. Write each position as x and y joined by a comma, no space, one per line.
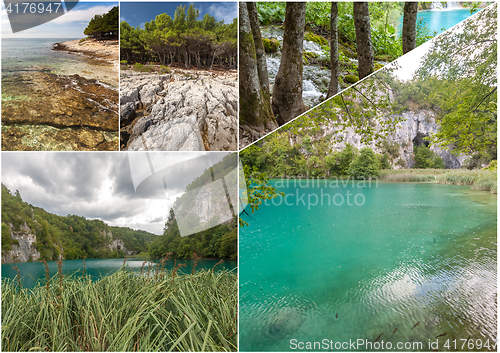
31,272
416,261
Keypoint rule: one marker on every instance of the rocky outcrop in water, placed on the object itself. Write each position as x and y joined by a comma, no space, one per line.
23,249
45,111
180,111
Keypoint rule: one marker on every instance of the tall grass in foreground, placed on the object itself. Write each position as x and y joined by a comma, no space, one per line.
479,179
161,311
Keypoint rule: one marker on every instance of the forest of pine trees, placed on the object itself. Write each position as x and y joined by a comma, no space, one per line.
185,40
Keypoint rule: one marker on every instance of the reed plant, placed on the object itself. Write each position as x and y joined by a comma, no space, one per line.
161,310
484,180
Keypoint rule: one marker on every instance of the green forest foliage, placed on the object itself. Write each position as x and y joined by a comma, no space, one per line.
183,40
219,242
104,26
72,236
427,159
310,157
384,17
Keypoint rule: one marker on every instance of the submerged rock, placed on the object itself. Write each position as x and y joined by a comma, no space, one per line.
45,111
182,111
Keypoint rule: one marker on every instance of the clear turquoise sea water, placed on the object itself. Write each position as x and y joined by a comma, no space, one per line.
412,253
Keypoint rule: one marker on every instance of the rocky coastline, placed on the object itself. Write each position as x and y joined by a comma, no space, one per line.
183,110
43,110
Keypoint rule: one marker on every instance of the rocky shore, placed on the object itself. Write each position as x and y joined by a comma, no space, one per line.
72,111
45,111
184,110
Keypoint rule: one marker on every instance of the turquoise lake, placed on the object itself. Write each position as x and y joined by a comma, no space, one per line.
410,262
32,272
440,20
437,20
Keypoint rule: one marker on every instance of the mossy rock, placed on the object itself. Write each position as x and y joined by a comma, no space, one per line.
351,79
348,51
315,38
271,45
386,58
378,66
308,56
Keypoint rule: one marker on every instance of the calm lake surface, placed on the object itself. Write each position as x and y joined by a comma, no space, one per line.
31,272
440,20
412,254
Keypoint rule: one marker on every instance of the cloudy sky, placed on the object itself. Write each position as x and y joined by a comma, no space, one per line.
102,185
138,13
69,25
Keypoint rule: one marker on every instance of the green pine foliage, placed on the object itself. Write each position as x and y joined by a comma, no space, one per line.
72,236
104,26
184,40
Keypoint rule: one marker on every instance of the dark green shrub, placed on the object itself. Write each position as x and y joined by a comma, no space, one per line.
365,166
425,159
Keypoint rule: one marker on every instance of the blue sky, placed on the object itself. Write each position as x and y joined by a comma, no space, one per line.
138,13
69,25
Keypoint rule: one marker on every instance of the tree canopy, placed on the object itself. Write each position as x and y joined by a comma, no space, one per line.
182,40
104,26
464,64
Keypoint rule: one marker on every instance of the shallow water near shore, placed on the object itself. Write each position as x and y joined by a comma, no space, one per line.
55,100
32,272
413,262
26,54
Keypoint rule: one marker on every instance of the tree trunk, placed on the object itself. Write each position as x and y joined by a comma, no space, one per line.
409,32
259,48
363,39
334,52
255,107
287,93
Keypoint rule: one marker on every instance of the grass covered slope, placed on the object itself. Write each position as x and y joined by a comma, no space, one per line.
161,311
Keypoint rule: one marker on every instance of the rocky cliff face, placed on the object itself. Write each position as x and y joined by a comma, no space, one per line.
408,134
116,244
181,111
25,250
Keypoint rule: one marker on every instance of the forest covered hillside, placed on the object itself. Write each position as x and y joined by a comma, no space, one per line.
30,233
210,213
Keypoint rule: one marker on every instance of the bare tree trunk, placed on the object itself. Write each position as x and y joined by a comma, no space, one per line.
409,26
363,38
334,52
259,48
287,93
255,107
